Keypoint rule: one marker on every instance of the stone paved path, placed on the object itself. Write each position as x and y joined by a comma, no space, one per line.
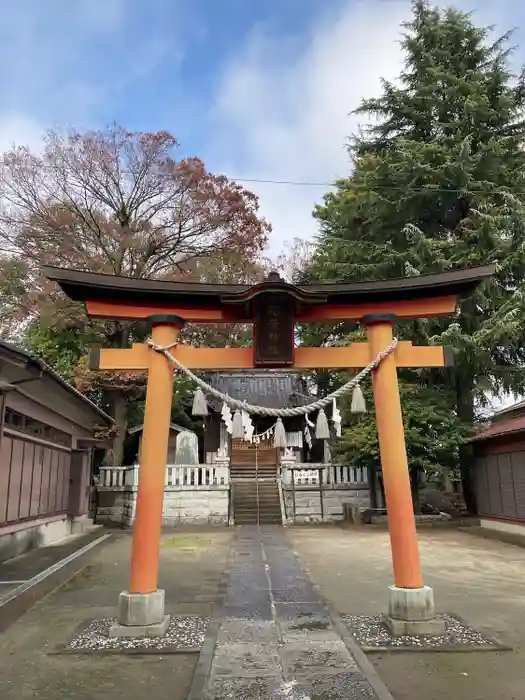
275,637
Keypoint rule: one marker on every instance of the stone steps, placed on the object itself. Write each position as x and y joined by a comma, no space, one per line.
263,520
252,465
252,498
255,493
249,472
252,456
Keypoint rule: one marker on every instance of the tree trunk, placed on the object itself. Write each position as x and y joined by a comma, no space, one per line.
382,489
121,424
465,408
372,487
414,487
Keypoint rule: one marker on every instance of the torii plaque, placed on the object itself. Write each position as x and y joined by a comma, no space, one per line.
168,305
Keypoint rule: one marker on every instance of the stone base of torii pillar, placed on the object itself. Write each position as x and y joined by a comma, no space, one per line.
140,615
411,612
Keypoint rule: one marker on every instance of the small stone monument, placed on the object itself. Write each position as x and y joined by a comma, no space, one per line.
187,448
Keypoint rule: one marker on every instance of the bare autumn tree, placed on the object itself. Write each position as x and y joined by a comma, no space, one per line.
294,259
114,202
233,268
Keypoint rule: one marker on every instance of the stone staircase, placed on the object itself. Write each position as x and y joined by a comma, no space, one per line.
255,492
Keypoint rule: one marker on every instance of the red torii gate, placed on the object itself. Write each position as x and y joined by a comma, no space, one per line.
273,307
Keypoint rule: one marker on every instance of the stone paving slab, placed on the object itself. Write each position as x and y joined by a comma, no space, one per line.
312,658
341,686
249,611
235,688
238,631
244,595
301,612
246,659
312,631
274,639
299,593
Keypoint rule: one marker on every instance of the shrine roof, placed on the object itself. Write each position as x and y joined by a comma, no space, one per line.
90,286
269,388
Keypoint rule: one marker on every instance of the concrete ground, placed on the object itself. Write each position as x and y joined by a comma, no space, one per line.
483,581
24,567
192,564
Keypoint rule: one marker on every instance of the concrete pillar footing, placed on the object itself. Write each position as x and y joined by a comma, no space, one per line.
157,630
411,612
140,615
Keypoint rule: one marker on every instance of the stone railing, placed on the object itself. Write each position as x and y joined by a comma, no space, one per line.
196,493
200,493
207,475
308,474
178,475
322,492
199,475
116,477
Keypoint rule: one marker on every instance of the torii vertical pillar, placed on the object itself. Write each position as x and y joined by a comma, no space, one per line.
410,603
141,607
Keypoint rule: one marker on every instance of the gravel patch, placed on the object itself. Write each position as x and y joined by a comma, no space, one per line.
185,633
373,635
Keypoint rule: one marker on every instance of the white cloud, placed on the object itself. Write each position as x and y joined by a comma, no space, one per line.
282,110
283,119
43,50
66,63
17,129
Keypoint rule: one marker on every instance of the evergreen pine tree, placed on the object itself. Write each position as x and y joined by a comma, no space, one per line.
438,183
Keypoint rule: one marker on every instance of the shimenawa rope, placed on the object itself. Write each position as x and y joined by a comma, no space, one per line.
276,412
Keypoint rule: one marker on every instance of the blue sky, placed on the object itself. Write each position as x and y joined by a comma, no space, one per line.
257,88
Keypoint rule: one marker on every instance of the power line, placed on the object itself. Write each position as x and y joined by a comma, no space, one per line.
297,183
380,188
356,186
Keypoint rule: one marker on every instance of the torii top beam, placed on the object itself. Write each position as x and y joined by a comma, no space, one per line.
111,296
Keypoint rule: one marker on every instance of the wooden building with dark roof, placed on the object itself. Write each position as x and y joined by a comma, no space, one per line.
499,471
267,388
48,431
